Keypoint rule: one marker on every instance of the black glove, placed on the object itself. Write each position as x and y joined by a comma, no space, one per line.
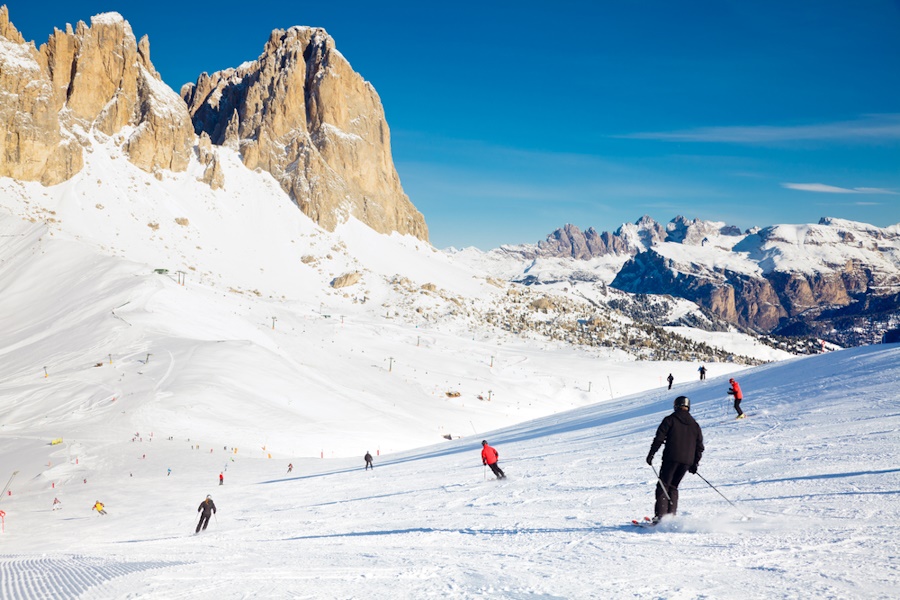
693,468
650,459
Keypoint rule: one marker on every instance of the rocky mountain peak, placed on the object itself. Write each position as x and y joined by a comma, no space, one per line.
7,29
300,112
95,78
695,232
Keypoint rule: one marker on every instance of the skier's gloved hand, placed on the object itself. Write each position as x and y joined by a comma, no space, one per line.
650,459
693,468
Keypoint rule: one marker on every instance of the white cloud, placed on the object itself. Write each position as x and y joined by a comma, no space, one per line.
833,189
868,128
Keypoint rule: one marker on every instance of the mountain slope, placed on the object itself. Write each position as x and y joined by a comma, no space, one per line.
814,467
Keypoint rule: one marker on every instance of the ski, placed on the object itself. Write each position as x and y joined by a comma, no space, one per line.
646,522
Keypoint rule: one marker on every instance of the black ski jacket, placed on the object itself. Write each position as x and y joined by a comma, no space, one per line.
682,436
206,506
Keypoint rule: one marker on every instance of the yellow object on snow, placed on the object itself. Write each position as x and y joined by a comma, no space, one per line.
56,441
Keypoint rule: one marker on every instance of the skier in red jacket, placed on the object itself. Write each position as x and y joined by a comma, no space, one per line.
738,396
489,457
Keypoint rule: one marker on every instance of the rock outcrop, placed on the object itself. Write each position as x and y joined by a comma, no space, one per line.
91,79
300,112
346,280
213,176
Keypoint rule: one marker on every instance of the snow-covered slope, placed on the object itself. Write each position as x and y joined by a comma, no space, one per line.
814,468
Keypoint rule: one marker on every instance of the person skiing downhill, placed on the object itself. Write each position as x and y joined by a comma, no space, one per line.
738,396
670,379
206,507
702,370
290,467
98,506
489,457
221,479
368,459
684,448
57,505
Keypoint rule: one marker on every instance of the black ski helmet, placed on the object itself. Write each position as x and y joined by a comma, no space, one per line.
683,402
484,442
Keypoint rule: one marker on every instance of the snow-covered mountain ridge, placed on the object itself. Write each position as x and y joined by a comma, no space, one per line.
836,279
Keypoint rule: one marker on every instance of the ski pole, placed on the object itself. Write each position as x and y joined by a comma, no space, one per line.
723,496
6,487
484,472
660,483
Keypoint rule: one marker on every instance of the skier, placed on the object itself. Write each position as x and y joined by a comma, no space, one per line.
57,505
168,472
205,507
738,396
702,370
368,458
684,447
98,506
290,467
221,479
489,457
670,379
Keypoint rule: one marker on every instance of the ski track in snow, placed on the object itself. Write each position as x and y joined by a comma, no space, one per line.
64,576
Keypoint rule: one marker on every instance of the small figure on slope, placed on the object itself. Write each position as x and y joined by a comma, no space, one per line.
221,479
57,505
670,379
98,506
702,370
290,467
684,448
738,396
368,459
206,507
489,457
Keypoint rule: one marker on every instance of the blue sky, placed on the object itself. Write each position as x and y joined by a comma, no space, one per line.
510,119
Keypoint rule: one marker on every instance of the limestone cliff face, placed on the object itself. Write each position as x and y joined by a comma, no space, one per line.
301,113
96,78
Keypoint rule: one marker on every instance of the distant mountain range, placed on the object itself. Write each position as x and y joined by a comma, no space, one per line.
837,280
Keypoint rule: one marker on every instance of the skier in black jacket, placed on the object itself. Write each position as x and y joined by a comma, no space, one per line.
684,447
205,508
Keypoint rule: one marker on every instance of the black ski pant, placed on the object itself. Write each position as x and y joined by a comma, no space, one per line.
204,521
369,466
497,470
670,475
737,406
